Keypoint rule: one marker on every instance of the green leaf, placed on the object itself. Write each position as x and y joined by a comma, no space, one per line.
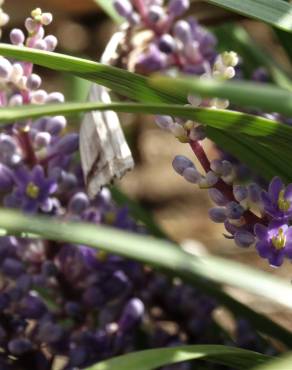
127,84
275,12
154,358
107,6
246,94
250,138
279,363
204,272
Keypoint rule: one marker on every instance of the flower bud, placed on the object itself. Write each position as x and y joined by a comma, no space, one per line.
240,192
177,7
217,215
164,122
17,36
182,31
234,210
51,42
217,197
167,44
33,82
132,314
123,7
180,163
192,175
244,238
78,203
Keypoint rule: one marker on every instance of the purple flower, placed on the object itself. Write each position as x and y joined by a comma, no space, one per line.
274,242
277,201
32,191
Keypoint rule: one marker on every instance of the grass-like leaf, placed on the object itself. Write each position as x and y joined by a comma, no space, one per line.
249,138
246,94
204,272
127,84
275,12
279,363
151,359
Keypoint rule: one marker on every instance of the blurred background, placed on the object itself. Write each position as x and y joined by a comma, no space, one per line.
179,208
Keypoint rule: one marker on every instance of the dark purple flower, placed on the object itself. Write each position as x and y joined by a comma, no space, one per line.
32,191
274,242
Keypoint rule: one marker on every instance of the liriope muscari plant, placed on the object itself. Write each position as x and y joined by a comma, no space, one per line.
252,215
67,301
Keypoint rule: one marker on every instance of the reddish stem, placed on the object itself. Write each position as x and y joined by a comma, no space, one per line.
25,143
224,188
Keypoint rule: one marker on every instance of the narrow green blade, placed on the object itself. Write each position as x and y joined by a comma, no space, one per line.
154,358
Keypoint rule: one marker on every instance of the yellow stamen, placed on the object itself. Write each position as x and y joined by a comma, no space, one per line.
283,204
32,190
279,241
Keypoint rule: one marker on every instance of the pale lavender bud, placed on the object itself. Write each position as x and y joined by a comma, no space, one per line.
31,25
56,124
67,144
38,97
181,163
155,13
198,133
123,7
46,19
234,210
254,192
216,166
244,238
17,73
178,7
33,82
17,36
55,97
222,168
40,45
182,31
192,175
194,100
78,203
167,44
15,100
42,140
217,197
5,68
164,122
240,192
132,314
226,168
211,178
51,42
217,215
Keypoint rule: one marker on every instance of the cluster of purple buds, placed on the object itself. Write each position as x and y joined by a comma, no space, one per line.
251,215
182,45
168,42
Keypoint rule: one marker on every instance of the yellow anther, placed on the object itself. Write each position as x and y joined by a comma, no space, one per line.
183,139
283,204
279,241
36,12
32,190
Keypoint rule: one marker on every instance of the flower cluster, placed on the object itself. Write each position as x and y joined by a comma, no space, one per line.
251,215
66,300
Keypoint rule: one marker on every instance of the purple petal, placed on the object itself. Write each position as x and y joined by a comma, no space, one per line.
261,232
275,187
276,258
21,177
263,249
288,193
38,175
